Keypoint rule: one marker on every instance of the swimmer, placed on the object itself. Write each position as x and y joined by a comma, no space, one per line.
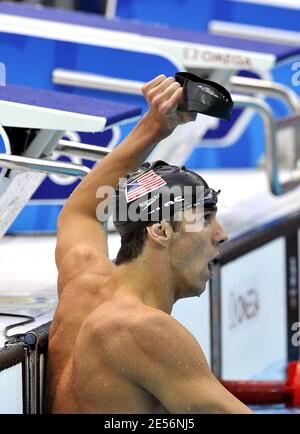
113,346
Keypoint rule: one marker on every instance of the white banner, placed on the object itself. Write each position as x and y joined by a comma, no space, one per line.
299,260
11,396
254,323
193,313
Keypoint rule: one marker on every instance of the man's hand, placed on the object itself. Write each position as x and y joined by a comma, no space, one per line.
163,96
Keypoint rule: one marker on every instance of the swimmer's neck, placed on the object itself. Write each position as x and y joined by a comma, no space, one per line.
148,278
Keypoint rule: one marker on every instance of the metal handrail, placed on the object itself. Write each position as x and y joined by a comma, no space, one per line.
83,150
42,165
266,114
271,126
289,121
268,88
88,80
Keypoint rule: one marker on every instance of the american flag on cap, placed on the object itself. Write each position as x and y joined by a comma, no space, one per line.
145,183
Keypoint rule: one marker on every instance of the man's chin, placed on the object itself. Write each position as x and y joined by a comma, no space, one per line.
199,290
195,291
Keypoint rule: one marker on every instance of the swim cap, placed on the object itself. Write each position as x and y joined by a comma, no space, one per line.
204,96
155,192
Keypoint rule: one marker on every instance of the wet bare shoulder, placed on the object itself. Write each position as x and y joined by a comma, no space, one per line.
138,335
164,341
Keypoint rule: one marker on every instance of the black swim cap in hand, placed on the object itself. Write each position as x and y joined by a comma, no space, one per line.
204,96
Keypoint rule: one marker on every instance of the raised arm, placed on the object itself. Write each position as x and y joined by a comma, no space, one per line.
82,246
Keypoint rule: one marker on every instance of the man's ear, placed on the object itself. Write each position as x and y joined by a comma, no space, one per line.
160,232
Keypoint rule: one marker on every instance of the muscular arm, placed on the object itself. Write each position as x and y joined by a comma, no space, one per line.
163,358
80,234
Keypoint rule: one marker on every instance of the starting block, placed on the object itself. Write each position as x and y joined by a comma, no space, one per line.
33,122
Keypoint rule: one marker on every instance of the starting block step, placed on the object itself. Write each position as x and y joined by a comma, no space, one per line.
27,107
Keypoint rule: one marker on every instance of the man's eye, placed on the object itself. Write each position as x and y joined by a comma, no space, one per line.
207,216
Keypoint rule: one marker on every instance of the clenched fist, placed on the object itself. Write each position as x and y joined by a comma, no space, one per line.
163,96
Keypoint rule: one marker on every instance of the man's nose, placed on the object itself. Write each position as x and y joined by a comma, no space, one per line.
220,236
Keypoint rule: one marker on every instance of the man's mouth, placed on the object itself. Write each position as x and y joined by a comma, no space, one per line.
210,265
210,268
